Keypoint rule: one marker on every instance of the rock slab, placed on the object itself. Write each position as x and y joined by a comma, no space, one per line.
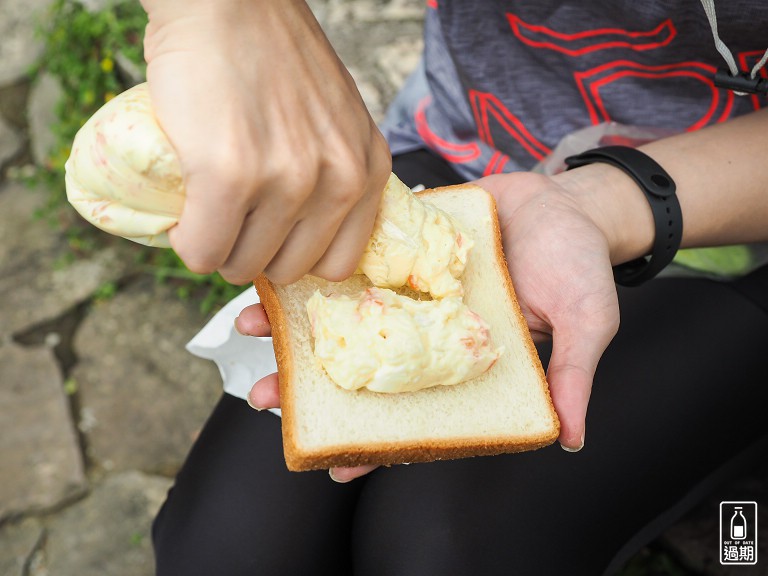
18,544
19,45
10,142
107,534
39,279
143,397
40,460
41,113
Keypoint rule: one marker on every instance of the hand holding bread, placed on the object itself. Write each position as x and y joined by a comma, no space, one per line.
564,285
560,261
504,409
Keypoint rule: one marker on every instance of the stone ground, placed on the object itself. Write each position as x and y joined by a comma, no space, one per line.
100,400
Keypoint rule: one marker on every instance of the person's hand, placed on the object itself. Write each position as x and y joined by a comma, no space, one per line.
265,393
282,163
560,263
560,266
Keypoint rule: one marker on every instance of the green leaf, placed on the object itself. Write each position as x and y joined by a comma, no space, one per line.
78,44
724,261
70,386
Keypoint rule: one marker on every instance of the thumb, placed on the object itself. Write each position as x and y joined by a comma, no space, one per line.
570,373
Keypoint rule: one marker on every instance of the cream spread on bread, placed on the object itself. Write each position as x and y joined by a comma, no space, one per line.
415,244
387,342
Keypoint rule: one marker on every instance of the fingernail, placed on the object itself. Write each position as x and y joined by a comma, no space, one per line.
334,478
576,449
248,399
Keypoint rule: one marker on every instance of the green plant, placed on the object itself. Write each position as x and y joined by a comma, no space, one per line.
106,291
83,51
211,290
81,48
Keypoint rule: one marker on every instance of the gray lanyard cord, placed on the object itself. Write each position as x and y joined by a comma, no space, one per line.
740,83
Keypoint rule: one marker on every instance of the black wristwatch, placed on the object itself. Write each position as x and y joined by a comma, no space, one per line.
659,189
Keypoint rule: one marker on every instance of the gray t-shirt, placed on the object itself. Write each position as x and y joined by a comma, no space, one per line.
502,82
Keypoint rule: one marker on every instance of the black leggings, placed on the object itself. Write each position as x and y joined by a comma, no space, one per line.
678,405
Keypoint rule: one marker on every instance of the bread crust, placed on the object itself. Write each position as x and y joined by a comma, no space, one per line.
385,453
284,358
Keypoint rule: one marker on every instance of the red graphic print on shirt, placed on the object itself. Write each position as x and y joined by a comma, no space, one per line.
616,74
579,43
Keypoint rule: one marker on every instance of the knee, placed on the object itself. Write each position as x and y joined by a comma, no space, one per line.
236,538
171,542
189,542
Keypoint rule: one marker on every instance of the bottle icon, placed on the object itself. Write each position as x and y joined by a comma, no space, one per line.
738,525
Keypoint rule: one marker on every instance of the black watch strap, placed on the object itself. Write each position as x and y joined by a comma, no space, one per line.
659,189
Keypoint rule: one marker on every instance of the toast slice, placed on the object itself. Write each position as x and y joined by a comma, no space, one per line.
506,409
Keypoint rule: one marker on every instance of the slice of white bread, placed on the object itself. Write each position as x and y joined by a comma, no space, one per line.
507,409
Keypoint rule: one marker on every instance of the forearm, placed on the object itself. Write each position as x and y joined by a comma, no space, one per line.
721,174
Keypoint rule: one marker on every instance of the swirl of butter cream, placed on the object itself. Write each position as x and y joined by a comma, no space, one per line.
390,343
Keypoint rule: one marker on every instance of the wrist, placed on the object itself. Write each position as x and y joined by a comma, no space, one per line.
171,8
175,26
192,17
615,204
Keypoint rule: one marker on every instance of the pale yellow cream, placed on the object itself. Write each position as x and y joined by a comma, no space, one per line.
415,244
123,175
387,342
